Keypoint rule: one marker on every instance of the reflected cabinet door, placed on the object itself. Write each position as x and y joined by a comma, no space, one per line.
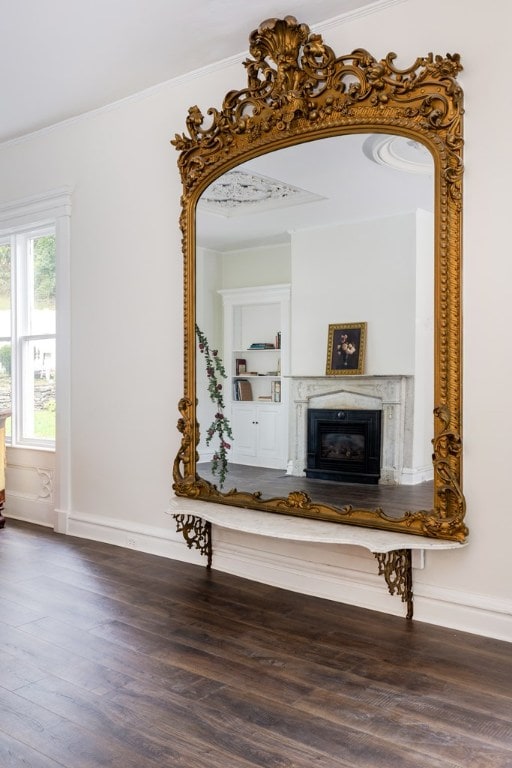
257,430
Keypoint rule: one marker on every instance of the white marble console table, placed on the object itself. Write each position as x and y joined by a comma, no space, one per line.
393,551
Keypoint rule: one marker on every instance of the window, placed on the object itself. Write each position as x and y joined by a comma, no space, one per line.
28,335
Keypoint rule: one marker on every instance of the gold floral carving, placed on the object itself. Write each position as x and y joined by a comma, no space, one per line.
299,90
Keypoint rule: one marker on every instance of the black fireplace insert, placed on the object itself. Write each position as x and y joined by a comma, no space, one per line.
344,445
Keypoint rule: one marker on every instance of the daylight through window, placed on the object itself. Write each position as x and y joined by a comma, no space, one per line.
27,336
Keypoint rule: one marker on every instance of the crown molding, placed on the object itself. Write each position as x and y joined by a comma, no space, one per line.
358,13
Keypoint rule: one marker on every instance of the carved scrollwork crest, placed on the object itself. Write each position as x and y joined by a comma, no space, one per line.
296,83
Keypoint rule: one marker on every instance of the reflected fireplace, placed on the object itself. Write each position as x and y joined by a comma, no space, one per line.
344,445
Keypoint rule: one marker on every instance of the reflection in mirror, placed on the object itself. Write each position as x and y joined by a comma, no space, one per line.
358,228
336,230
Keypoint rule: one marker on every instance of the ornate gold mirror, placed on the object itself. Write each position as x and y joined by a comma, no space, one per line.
306,108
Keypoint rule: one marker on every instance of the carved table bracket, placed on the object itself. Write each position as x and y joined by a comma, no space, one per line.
396,567
197,533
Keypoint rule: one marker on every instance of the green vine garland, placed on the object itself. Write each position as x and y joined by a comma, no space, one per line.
220,424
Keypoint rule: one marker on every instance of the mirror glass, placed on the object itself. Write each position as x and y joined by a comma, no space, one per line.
333,231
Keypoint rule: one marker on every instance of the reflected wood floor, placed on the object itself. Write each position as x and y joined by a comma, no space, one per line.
111,657
394,499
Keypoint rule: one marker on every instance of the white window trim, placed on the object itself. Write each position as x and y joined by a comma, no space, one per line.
54,208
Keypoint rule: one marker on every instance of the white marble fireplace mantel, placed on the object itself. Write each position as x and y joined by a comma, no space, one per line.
393,395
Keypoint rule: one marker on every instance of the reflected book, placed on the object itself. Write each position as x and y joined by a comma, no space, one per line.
242,390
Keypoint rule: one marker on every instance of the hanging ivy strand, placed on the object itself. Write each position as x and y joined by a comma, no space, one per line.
220,425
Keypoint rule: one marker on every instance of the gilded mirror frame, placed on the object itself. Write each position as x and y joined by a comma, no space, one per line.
299,90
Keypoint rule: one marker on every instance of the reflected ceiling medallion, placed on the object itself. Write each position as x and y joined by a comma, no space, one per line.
239,192
400,153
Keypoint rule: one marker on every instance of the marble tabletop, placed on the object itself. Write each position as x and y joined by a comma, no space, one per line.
303,529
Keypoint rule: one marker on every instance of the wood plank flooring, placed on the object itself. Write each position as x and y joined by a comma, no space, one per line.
111,657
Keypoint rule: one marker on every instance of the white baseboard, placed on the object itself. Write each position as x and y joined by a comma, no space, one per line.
477,614
463,611
164,542
415,475
205,455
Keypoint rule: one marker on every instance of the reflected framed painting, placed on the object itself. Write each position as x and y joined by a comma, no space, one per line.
346,345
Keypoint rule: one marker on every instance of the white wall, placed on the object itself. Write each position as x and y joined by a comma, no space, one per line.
126,275
209,320
424,342
350,273
267,265
127,307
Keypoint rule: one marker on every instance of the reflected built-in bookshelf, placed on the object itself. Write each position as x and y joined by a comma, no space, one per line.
256,332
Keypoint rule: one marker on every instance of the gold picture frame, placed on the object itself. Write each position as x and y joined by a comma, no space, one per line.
346,346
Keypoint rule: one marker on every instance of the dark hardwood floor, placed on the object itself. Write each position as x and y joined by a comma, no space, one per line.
111,657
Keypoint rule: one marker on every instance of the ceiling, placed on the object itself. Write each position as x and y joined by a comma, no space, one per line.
352,181
62,58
